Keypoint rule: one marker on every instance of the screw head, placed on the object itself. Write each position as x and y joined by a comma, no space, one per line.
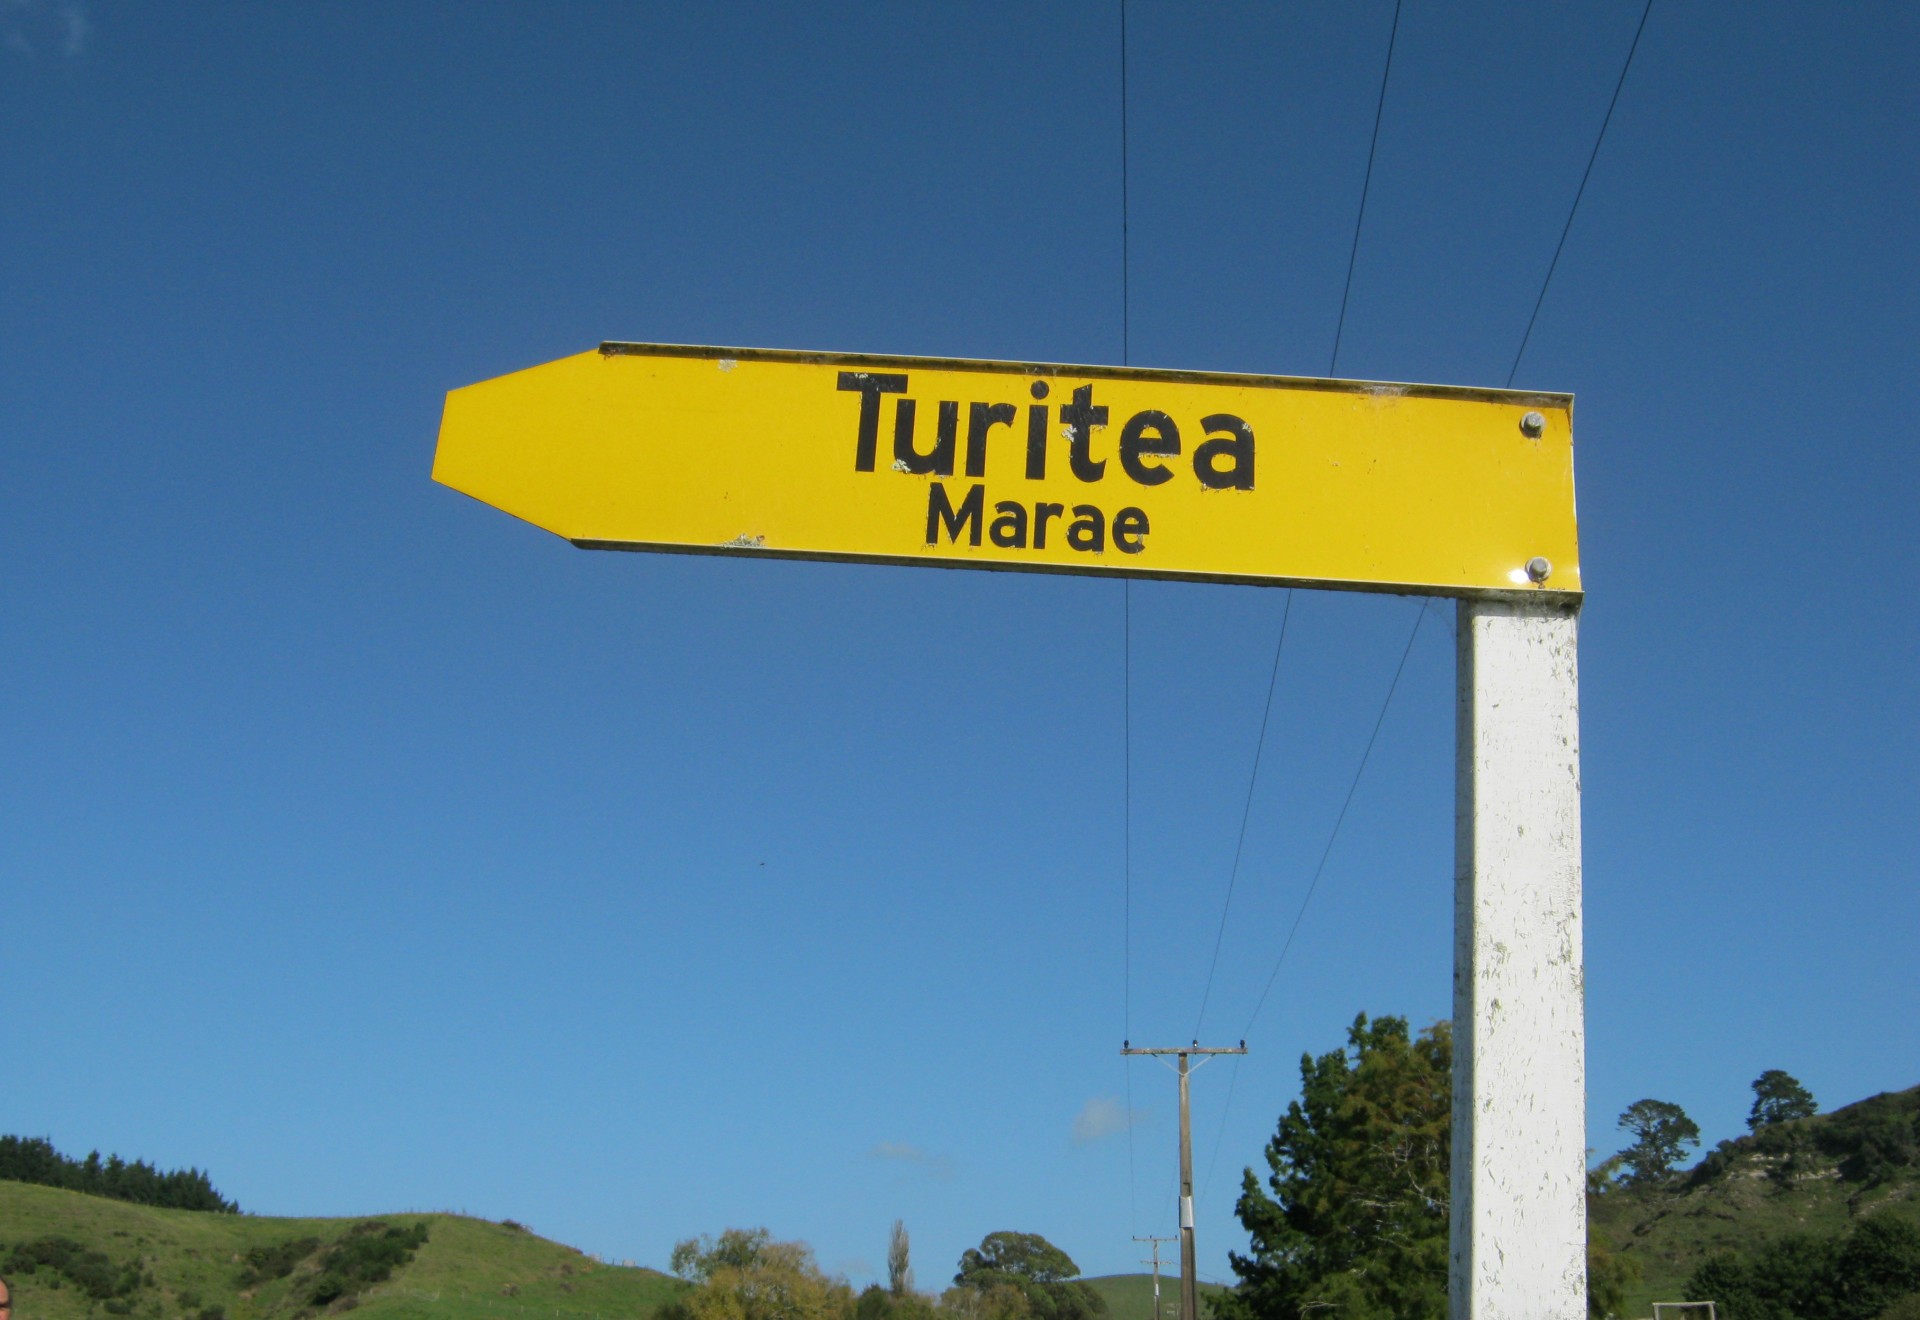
1532,424
1539,568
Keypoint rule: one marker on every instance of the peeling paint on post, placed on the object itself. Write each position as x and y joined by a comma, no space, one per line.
1519,1075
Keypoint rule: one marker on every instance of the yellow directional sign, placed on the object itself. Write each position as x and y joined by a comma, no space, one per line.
1035,466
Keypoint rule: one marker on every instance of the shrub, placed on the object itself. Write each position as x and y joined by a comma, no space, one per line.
275,1260
372,1251
746,1275
1907,1308
1854,1277
326,1288
1873,1139
93,1272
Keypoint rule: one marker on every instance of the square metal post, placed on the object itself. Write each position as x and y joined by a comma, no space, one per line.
1518,1249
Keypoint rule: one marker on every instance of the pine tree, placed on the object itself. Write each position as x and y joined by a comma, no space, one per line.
1777,1098
1662,1134
1356,1225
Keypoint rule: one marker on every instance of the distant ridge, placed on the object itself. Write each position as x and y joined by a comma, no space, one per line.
1130,1296
1817,1176
34,1160
224,1266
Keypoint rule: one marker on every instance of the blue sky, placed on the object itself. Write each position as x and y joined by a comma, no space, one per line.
376,851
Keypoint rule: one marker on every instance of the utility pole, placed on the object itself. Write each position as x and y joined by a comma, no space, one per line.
1155,1262
1189,1285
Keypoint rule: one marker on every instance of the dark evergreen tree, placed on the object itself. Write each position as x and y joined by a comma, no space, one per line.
1778,1097
1662,1134
34,1160
1356,1225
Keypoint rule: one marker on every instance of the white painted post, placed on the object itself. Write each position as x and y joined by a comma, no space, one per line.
1519,1215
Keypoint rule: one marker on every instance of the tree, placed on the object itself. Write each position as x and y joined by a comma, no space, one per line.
1356,1225
999,1301
876,1303
1778,1097
697,1259
1662,1132
1603,1177
1608,1274
899,1270
1855,1277
1013,1276
1907,1308
1027,1255
746,1275
34,1160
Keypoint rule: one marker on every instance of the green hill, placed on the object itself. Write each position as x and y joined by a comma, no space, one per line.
1814,1176
1130,1296
180,1263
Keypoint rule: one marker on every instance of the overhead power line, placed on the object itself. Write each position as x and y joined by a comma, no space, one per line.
1579,192
1126,867
1333,362
1353,256
1189,1292
1126,663
1418,617
1327,852
1366,184
1246,812
1126,290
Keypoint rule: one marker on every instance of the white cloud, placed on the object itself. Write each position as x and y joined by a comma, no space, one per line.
1101,1117
937,1167
75,26
29,26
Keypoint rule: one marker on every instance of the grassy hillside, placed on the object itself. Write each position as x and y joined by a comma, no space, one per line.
1130,1296
1814,1175
190,1263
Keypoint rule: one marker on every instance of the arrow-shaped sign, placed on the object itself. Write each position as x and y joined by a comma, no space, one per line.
1028,466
